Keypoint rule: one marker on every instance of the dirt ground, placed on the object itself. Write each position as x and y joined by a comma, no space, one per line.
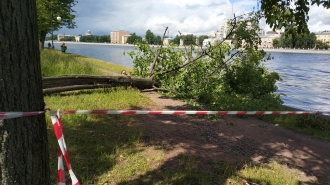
234,138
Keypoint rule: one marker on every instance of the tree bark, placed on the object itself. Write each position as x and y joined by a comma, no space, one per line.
68,83
24,157
42,37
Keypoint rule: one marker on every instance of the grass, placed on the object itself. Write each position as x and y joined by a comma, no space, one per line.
55,63
313,125
108,149
96,142
272,173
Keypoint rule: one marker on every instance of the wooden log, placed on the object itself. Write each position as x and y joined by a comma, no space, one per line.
77,82
71,88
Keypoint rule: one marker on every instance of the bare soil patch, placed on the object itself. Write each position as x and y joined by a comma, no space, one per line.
232,138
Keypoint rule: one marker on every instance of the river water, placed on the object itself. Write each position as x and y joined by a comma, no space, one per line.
305,78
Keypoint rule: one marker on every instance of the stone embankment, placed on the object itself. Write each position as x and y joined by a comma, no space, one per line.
308,51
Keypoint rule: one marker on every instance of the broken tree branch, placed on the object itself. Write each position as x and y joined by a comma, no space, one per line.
157,54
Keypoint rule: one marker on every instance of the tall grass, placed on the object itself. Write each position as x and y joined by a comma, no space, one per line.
55,63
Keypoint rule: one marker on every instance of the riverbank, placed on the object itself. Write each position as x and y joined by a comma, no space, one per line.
301,51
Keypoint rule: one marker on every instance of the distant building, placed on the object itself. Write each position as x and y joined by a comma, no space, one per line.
61,36
261,32
267,40
124,39
88,32
77,38
215,34
211,41
181,42
323,36
119,37
271,33
167,41
224,30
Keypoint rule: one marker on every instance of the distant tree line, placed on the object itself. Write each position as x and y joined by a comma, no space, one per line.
50,37
305,40
189,39
95,38
87,38
131,39
153,39
70,38
150,37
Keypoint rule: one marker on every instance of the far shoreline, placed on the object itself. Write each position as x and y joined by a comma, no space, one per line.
300,51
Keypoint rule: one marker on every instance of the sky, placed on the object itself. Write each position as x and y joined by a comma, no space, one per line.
198,17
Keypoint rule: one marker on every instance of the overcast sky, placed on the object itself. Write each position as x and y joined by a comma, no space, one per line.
198,17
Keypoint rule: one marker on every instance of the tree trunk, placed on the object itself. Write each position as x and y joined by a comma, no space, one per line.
42,38
24,157
68,83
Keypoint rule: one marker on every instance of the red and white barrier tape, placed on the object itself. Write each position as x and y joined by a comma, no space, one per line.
247,183
9,115
177,112
57,125
60,169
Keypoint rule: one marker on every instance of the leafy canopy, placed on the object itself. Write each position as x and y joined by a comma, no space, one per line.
289,14
47,11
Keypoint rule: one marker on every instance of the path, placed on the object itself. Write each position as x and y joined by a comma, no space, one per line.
240,139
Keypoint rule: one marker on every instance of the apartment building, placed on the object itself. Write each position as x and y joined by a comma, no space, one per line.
119,37
224,28
323,36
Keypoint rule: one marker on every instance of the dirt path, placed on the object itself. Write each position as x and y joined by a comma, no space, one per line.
234,138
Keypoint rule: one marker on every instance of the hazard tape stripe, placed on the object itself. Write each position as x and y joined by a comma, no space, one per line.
9,115
57,125
179,112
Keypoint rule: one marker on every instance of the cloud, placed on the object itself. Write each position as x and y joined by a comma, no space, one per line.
187,16
319,19
183,3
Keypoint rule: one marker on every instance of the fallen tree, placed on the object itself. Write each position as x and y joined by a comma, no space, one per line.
227,73
58,84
